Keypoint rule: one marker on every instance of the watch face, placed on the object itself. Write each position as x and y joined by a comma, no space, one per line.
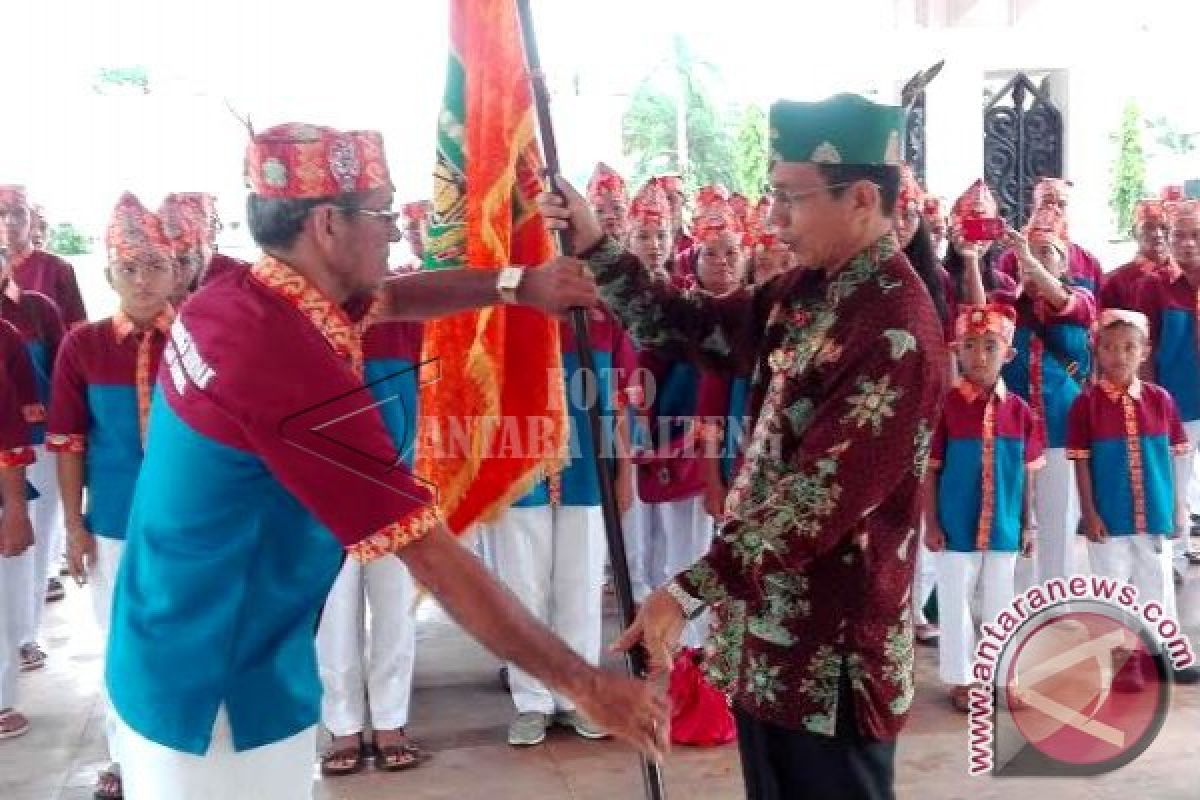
510,278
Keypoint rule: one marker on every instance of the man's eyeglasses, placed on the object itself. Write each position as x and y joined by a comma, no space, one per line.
786,198
391,217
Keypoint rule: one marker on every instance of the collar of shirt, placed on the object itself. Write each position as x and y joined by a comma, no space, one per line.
1174,273
17,259
1114,392
1150,267
335,324
972,391
123,324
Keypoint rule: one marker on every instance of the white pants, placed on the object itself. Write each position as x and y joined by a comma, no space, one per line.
635,548
12,604
279,771
481,545
381,675
46,515
1187,487
958,576
675,536
924,579
1060,551
1144,561
1189,477
552,559
102,579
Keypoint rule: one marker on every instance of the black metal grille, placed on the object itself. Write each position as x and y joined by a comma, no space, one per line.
914,138
1022,141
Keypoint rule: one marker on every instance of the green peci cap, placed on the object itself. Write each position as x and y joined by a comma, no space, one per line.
845,129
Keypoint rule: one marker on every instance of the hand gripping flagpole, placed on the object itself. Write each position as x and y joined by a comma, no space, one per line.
605,463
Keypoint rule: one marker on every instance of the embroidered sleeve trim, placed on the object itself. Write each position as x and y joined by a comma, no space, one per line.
397,536
17,457
66,442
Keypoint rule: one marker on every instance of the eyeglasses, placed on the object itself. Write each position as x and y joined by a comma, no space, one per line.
785,198
389,216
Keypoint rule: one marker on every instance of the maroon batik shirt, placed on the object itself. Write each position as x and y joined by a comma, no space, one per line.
814,558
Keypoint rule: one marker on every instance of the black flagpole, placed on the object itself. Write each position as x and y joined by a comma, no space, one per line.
605,463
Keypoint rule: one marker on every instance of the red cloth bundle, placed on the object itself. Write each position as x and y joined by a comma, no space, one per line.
700,714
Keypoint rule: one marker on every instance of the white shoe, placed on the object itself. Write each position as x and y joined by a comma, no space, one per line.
528,729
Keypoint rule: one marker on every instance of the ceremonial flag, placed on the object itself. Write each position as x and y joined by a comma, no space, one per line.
494,422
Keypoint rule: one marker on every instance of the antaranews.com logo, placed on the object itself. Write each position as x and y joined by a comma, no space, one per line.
1044,703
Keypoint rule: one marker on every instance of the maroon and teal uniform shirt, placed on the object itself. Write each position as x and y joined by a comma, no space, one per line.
1171,302
103,382
577,484
38,321
266,460
1129,437
1083,268
221,264
1054,358
983,447
1123,286
721,411
50,275
16,392
391,368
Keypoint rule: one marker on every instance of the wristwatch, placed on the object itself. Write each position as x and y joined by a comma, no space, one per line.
507,283
692,607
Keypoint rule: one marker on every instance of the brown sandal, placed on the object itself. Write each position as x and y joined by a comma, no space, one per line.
398,757
13,724
350,760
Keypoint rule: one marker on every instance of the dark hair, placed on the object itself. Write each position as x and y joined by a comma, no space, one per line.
886,177
955,266
277,222
924,260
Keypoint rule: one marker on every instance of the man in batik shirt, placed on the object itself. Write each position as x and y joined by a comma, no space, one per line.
819,539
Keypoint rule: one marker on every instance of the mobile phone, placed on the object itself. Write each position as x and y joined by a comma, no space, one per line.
982,229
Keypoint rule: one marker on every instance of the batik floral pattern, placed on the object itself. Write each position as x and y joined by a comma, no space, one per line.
806,571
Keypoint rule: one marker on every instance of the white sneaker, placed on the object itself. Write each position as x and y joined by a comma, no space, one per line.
528,729
580,724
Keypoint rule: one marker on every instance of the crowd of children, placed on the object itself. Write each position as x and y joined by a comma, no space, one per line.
1062,448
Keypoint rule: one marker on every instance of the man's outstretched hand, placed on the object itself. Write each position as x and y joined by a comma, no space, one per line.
562,283
566,210
630,709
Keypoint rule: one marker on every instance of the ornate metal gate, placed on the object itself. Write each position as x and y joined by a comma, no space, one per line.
1022,141
914,137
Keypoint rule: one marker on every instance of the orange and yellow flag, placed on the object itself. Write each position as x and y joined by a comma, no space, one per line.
495,422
